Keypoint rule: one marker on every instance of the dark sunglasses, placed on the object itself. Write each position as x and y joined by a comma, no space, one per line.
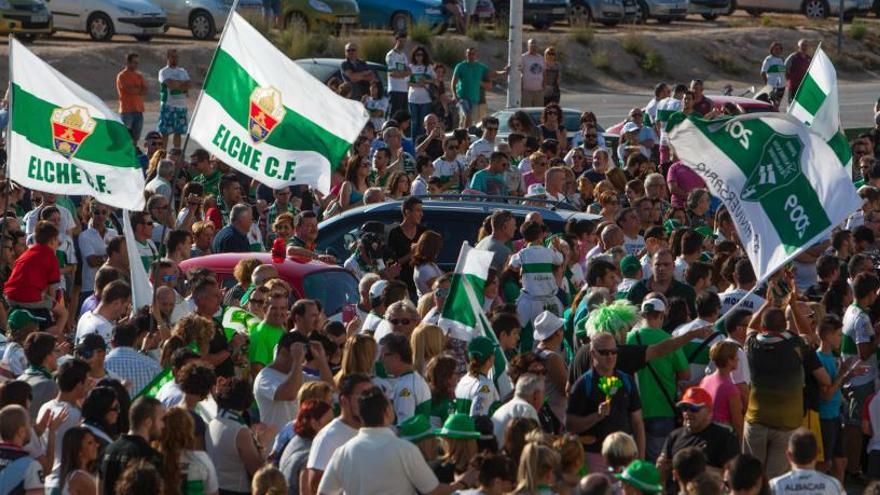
402,321
606,352
692,408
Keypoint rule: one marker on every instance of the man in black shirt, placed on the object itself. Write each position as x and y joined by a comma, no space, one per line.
592,415
356,72
718,442
145,417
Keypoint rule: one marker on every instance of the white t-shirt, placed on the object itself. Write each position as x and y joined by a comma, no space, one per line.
197,468
410,394
634,245
479,393
170,394
731,297
805,482
377,105
91,243
330,438
420,95
14,358
172,98
857,329
774,67
396,61
514,408
272,412
423,275
92,322
446,170
537,264
532,72
479,147
32,217
681,265
73,418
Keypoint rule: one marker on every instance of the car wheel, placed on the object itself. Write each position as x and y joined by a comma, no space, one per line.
815,9
400,22
202,26
143,37
731,8
580,15
643,12
100,27
710,17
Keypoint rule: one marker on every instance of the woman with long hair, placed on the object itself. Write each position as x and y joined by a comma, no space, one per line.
537,469
79,451
351,193
191,330
515,434
420,83
521,123
572,460
100,414
441,373
610,204
185,470
552,127
459,438
398,186
313,415
424,260
358,356
427,341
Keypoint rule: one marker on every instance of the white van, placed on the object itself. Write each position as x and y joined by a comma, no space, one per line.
101,19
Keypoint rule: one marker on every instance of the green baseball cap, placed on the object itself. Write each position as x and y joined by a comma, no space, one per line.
459,426
416,428
671,225
481,348
706,231
642,475
21,318
630,266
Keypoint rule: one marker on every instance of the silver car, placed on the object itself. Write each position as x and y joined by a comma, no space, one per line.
664,11
203,18
607,12
814,9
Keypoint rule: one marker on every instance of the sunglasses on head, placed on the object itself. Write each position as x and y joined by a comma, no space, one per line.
689,407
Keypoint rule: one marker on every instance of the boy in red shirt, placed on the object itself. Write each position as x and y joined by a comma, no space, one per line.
35,277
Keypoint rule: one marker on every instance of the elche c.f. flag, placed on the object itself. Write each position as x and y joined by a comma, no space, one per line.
773,175
63,139
462,315
816,104
263,115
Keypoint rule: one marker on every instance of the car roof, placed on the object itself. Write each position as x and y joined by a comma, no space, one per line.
335,62
290,268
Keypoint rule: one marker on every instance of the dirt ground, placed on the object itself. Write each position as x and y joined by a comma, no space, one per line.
624,58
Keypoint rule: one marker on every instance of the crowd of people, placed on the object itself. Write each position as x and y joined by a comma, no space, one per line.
633,351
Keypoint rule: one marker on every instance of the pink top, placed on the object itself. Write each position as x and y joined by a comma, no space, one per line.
687,180
721,388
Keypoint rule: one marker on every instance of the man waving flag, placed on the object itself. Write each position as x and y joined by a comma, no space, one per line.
266,117
816,105
64,140
772,174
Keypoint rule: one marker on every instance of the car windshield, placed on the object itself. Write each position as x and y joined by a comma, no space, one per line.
334,288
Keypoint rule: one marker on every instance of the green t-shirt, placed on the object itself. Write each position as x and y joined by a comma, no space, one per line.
264,338
469,75
654,403
489,182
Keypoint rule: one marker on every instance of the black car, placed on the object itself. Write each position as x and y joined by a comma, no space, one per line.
540,14
455,220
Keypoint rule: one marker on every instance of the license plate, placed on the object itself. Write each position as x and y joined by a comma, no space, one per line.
348,20
39,18
560,10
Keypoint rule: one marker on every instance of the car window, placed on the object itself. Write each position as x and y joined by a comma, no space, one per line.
321,72
334,288
572,121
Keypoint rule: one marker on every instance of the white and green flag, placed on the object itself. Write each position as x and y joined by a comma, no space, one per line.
772,174
262,114
463,317
816,104
64,140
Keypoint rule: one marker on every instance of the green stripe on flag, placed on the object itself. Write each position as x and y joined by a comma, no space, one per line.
109,143
810,96
231,86
458,306
774,205
537,267
841,148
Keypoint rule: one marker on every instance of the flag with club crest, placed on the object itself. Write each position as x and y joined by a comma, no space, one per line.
816,104
772,174
265,116
462,316
63,139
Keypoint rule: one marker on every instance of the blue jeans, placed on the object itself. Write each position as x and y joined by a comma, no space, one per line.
418,112
134,121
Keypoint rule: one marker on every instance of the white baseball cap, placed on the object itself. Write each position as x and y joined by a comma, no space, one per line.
546,324
377,288
653,304
630,127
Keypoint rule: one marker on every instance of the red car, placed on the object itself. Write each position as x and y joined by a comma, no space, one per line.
750,105
334,286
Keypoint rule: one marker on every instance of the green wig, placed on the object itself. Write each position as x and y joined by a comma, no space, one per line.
615,318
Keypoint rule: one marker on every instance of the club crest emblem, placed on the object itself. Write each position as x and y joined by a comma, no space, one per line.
71,126
778,166
266,111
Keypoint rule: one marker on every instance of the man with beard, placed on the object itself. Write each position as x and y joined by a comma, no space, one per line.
145,417
718,442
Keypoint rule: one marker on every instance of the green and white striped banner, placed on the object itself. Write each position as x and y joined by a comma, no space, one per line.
772,174
64,140
816,104
268,118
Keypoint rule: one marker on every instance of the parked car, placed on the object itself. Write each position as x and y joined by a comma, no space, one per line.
201,17
102,19
606,12
710,9
399,15
26,18
332,285
455,220
571,119
665,11
325,68
813,9
540,14
314,14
